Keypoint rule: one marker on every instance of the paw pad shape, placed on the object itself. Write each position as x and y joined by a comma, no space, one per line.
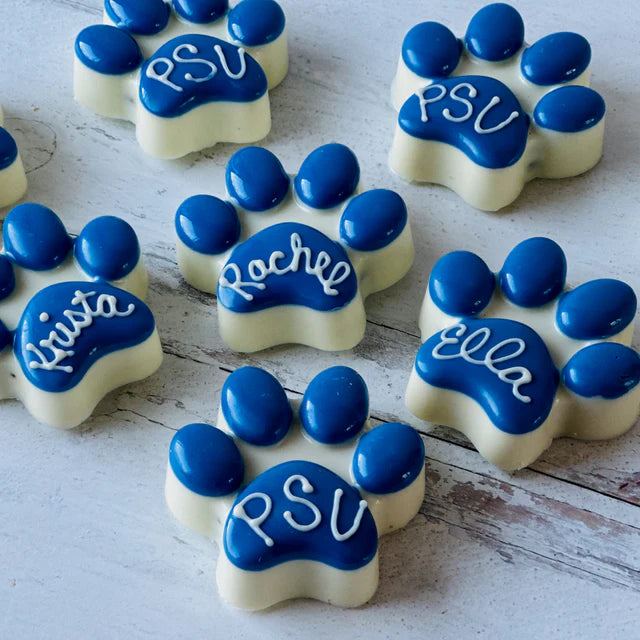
188,73
13,181
516,359
486,114
296,493
292,260
72,326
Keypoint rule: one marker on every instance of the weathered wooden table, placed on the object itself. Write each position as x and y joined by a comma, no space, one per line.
87,547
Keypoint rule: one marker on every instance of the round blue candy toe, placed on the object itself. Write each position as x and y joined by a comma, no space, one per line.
388,458
534,272
108,50
495,33
256,22
140,17
8,149
256,407
596,310
430,50
7,277
207,224
556,58
373,219
461,284
107,248
206,460
256,179
200,11
570,109
605,370
328,176
335,406
35,238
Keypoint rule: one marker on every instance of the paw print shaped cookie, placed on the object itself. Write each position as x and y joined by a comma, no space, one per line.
516,359
72,325
13,181
292,259
188,73
486,114
296,493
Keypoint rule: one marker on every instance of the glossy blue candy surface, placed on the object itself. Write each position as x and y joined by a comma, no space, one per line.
8,149
256,22
6,336
430,50
7,277
200,11
256,179
335,405
570,109
495,33
108,50
255,406
206,460
140,17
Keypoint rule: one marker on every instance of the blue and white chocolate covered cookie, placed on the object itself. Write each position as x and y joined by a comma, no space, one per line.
13,180
516,359
188,73
72,324
485,114
295,493
293,259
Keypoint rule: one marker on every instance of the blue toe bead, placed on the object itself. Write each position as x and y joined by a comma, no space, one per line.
200,11
35,238
495,33
140,17
388,458
256,407
256,22
256,179
207,224
596,310
335,406
556,58
373,220
430,50
7,277
461,284
8,149
570,109
108,50
107,248
206,460
328,176
534,273
605,370
6,337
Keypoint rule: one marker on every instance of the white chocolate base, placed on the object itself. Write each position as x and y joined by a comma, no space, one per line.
13,180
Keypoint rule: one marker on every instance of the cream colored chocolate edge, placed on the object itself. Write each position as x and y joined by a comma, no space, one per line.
13,182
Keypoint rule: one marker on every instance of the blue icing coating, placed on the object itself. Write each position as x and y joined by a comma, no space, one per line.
287,263
256,407
596,309
430,50
463,112
193,70
605,370
328,176
495,33
469,357
322,519
200,11
7,277
6,336
140,17
107,248
207,224
335,405
388,458
373,220
556,58
534,272
68,327
108,50
570,109
256,22
35,238
256,179
206,460
461,284
8,149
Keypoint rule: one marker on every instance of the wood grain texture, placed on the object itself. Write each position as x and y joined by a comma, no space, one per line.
87,548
